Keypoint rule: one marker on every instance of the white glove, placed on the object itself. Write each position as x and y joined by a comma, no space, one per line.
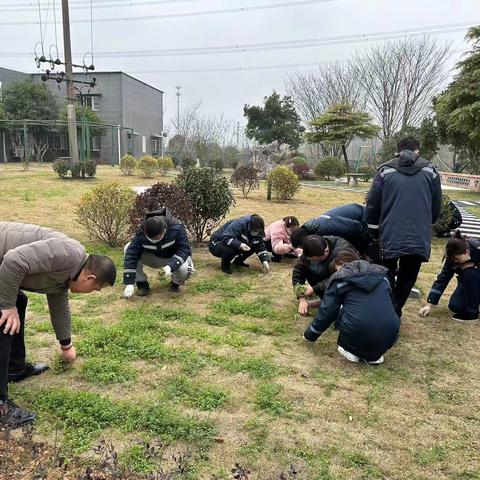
128,292
266,267
244,247
424,311
167,271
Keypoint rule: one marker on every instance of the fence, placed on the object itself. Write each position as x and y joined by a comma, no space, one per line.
471,182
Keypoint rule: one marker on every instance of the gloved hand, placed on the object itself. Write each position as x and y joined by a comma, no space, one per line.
244,247
128,292
167,271
265,266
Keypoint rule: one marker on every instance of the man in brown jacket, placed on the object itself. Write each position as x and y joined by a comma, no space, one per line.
39,259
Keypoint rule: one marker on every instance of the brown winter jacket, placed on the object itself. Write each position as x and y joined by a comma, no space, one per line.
39,259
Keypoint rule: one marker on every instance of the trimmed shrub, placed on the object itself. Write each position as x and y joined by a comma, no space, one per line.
104,212
330,167
158,196
148,166
302,170
441,228
284,183
128,164
211,197
245,178
368,170
165,164
299,160
61,167
85,169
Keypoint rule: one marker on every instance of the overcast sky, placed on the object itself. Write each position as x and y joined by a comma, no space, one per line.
224,91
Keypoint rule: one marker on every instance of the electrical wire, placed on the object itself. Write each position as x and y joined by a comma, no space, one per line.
164,16
46,21
40,23
55,22
91,30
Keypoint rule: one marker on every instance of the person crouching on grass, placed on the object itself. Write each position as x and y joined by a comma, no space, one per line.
160,242
462,257
277,239
358,299
237,240
39,259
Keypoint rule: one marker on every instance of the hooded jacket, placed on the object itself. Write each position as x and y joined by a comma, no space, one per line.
278,235
173,245
237,231
39,259
305,268
450,269
346,221
404,201
358,299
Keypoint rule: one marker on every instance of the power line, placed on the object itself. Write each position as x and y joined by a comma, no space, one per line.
187,14
24,7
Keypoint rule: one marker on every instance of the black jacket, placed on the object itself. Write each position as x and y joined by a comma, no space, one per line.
319,270
174,245
449,270
404,201
358,299
237,231
346,221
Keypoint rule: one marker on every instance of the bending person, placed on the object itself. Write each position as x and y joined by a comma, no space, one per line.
237,239
277,239
40,260
463,259
358,299
160,242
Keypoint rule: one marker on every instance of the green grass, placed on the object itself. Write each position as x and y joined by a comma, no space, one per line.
105,371
258,308
268,399
222,285
137,459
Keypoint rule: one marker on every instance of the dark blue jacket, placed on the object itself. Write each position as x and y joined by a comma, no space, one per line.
358,299
174,245
404,201
450,269
237,231
346,221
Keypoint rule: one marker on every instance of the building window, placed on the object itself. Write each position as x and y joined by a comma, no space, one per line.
96,144
156,146
55,141
90,101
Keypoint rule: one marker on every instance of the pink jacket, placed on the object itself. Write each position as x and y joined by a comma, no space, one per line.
280,239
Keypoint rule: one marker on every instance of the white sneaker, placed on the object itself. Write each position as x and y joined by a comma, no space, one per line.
377,362
349,356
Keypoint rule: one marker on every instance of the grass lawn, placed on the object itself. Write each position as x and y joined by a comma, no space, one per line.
222,375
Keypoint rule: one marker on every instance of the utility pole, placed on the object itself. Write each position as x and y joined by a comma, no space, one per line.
178,87
70,95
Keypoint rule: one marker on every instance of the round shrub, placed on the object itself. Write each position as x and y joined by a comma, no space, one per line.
158,196
284,183
148,166
165,164
368,170
330,167
211,197
245,178
104,212
61,167
302,170
128,164
442,227
299,161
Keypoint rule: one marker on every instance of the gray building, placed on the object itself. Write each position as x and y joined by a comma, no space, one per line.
131,109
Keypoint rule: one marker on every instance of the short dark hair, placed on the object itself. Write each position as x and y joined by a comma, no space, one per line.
408,143
343,257
257,223
103,268
457,245
296,238
291,222
154,226
314,246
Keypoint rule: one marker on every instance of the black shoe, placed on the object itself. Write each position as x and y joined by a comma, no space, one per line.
12,416
174,288
276,259
143,289
463,318
241,263
31,370
226,268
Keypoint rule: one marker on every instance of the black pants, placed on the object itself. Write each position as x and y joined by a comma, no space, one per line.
227,254
275,256
466,297
405,269
12,348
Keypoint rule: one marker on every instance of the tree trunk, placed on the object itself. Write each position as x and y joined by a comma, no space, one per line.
345,157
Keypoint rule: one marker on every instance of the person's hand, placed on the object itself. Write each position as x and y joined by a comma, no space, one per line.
309,291
244,247
167,271
11,320
424,311
265,267
69,355
302,307
128,292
